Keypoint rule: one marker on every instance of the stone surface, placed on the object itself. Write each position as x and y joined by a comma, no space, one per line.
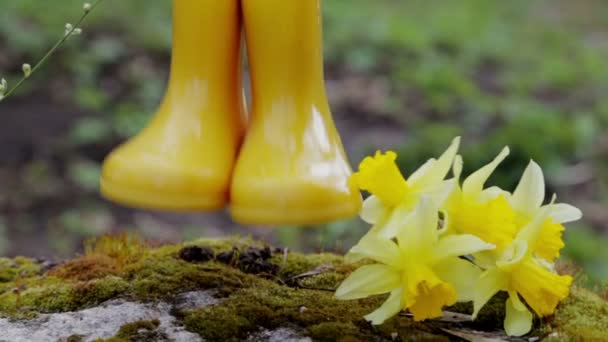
278,335
105,320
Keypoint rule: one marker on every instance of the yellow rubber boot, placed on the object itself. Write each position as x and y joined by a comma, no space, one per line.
292,168
183,160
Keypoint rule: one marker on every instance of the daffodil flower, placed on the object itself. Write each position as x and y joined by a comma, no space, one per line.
520,273
527,200
420,269
392,196
483,212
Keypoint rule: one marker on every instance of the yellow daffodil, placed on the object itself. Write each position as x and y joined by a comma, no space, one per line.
527,200
485,213
518,272
421,269
392,196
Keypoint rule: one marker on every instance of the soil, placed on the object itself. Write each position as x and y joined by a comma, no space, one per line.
34,129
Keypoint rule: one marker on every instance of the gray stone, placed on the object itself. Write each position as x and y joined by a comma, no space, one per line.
278,335
105,320
195,299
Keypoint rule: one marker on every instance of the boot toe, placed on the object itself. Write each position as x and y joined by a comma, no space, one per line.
150,182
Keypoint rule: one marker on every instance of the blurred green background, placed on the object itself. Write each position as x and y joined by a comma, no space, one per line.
405,75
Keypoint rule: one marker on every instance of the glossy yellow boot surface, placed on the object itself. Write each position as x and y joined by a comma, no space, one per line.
183,160
292,168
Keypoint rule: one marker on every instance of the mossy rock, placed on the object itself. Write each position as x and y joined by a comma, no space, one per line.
256,288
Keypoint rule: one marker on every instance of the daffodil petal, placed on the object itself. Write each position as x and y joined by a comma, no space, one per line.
353,256
388,309
441,192
513,254
530,192
485,260
532,230
475,182
462,274
367,281
488,284
518,322
421,171
457,166
516,301
492,193
564,213
419,233
397,219
373,210
459,245
437,170
376,248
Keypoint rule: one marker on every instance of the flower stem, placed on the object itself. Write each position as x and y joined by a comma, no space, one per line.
68,33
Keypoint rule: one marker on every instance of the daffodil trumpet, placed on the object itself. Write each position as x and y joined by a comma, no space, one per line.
292,167
393,196
183,159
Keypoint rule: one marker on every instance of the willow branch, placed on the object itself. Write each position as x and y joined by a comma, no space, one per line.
28,71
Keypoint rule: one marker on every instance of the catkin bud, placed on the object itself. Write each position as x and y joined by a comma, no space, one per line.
86,7
3,88
68,28
27,69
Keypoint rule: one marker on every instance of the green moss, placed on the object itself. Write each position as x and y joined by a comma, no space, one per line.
73,338
222,323
11,269
334,331
57,296
270,305
140,331
87,268
131,329
583,317
122,248
297,263
300,295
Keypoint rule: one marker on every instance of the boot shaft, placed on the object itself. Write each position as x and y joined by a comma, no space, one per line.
206,49
284,40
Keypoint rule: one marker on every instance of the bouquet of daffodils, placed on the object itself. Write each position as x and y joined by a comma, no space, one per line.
435,241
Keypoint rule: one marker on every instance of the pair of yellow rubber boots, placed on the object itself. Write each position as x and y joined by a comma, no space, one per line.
282,164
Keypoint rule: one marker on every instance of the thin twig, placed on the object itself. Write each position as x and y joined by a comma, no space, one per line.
68,33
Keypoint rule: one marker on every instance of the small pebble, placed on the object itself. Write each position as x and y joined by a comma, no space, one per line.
226,257
253,252
196,254
266,253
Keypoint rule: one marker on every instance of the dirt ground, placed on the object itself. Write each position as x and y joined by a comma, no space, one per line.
34,130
